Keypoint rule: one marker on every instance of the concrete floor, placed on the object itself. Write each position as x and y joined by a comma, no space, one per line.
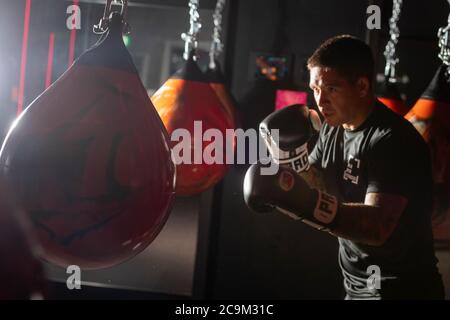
444,268
166,266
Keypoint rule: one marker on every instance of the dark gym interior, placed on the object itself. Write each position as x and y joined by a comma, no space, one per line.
212,246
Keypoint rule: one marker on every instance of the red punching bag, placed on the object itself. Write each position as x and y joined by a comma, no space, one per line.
431,117
187,101
390,96
90,162
21,273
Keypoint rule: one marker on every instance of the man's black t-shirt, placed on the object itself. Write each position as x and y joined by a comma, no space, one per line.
383,155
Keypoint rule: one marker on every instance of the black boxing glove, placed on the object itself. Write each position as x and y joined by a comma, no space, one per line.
289,193
296,125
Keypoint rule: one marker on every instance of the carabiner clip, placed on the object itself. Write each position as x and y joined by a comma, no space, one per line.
103,25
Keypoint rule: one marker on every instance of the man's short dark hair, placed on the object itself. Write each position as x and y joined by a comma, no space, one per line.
349,56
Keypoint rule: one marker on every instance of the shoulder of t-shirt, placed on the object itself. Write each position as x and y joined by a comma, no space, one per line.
390,125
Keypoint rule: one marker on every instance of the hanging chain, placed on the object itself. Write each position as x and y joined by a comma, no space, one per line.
390,50
216,44
103,25
444,44
190,38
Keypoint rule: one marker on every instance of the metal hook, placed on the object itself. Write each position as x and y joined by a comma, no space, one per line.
103,24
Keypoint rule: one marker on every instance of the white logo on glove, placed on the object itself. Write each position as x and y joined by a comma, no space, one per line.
326,208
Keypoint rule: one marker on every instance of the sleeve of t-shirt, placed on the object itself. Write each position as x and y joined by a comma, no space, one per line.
391,166
315,157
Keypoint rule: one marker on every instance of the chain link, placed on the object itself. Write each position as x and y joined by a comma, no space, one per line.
216,44
444,44
190,38
390,50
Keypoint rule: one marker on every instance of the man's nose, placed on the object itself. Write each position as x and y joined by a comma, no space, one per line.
321,99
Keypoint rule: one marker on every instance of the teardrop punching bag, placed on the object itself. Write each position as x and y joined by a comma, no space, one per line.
390,96
187,101
89,161
431,117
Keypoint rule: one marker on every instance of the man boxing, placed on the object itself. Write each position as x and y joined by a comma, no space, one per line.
376,172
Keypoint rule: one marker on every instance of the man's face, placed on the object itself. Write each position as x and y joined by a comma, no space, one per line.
337,98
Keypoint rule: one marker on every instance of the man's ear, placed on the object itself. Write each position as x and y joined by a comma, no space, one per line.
363,86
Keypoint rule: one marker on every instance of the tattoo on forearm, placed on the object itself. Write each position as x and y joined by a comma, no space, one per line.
314,178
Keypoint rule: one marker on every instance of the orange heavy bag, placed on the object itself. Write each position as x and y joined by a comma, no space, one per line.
390,96
89,161
187,101
431,117
21,272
